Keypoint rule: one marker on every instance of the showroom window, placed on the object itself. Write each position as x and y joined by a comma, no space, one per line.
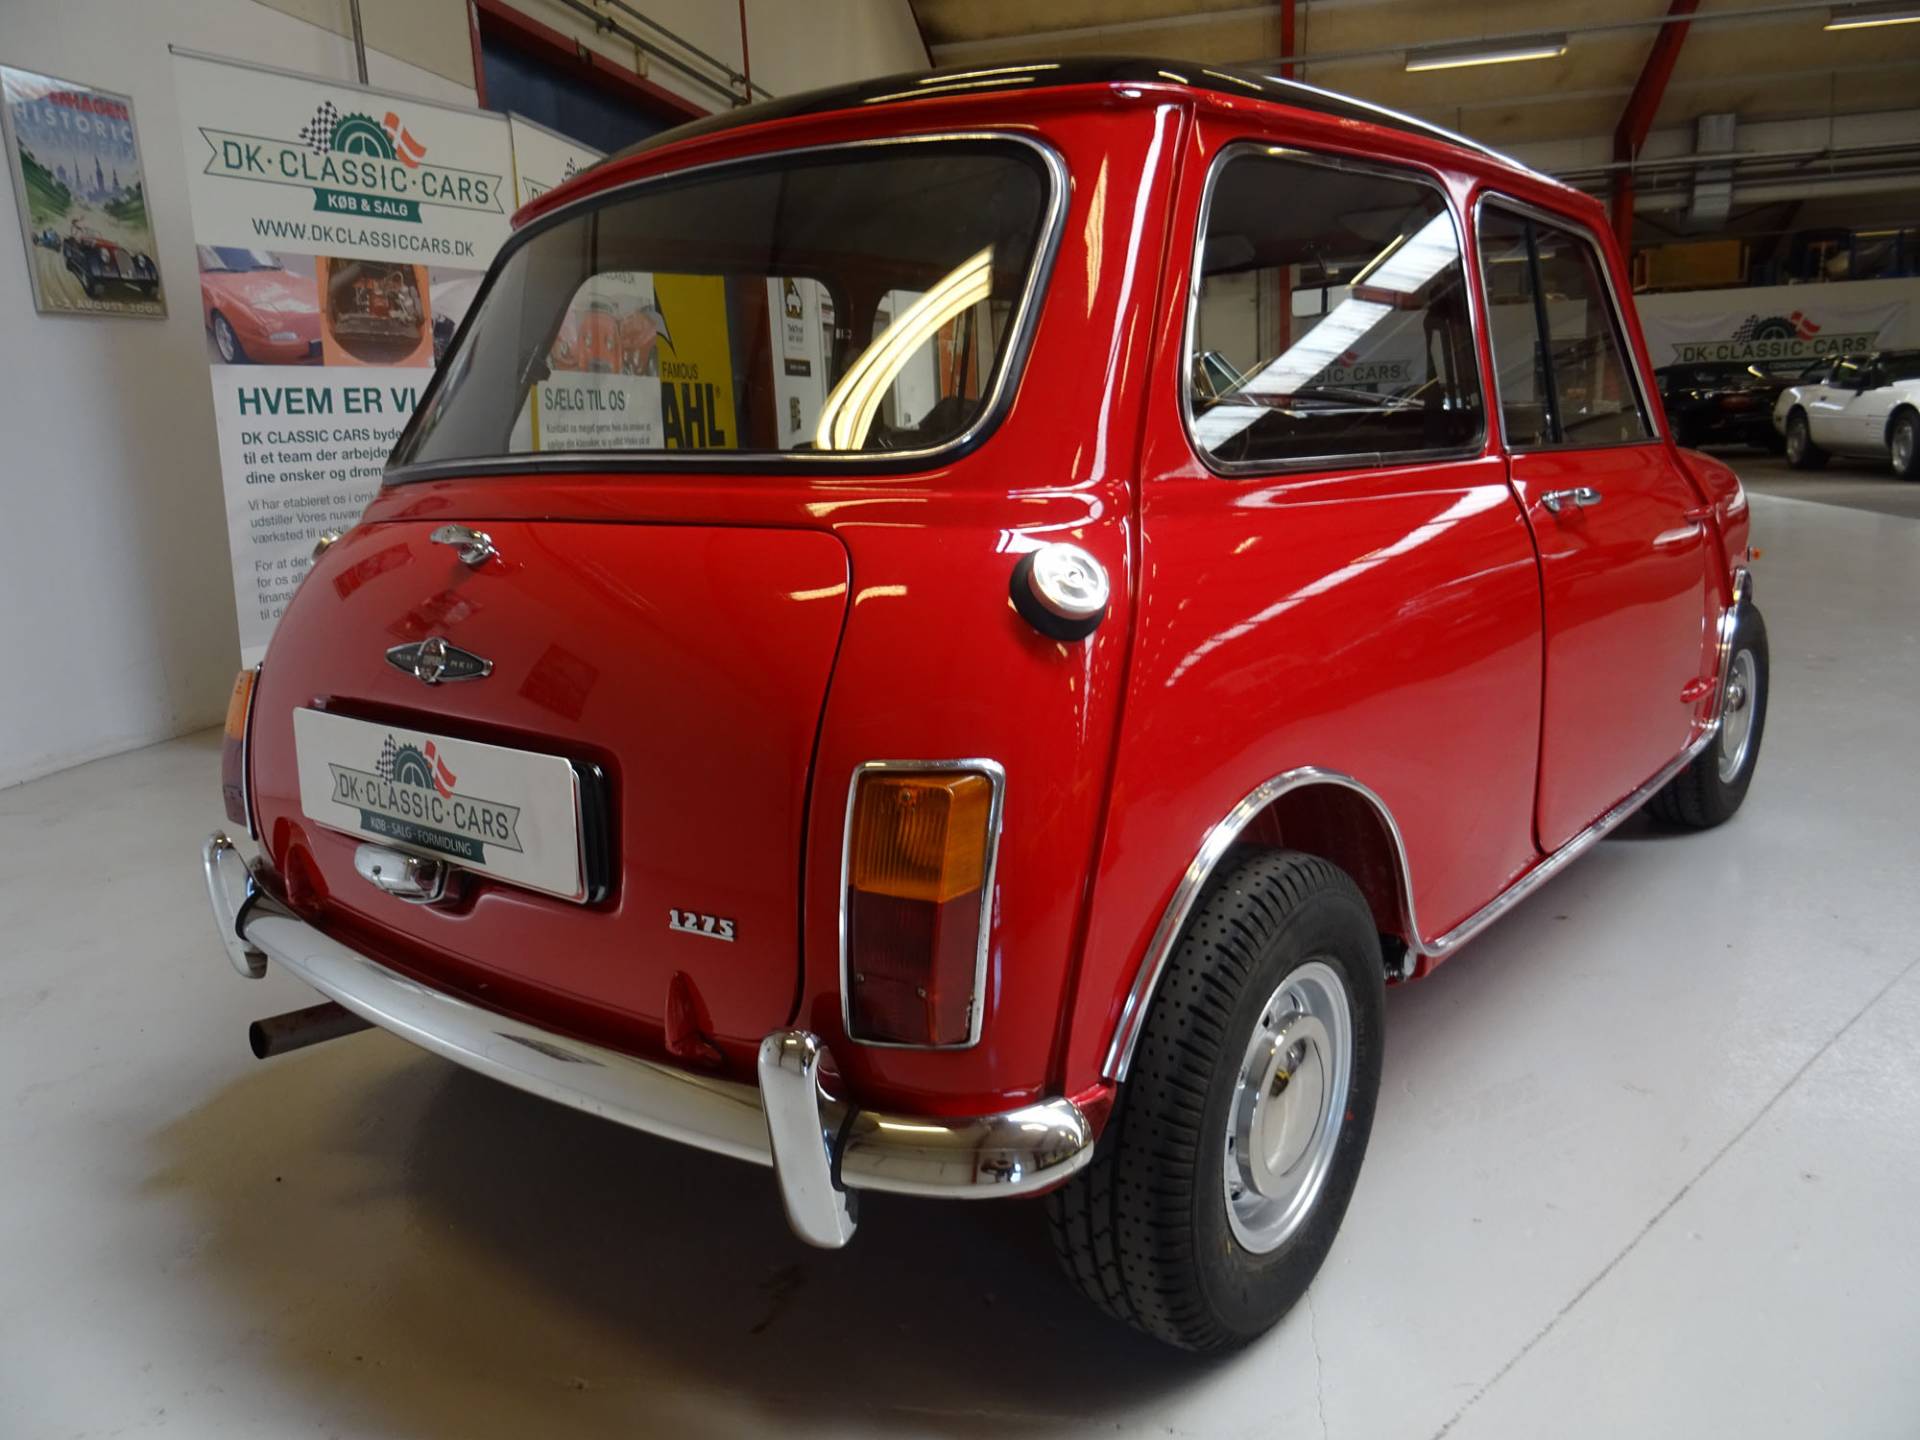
1576,388
1331,321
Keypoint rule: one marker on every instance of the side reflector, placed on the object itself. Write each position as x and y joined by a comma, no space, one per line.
233,749
920,850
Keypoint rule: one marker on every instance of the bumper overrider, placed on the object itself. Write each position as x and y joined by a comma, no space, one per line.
820,1148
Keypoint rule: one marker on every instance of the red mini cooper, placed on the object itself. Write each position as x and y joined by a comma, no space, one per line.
1120,563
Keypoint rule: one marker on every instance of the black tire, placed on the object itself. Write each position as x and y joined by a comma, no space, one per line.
1903,443
1802,453
222,325
1144,1229
1700,797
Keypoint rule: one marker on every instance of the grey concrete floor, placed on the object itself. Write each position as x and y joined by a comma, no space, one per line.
1646,1162
1857,484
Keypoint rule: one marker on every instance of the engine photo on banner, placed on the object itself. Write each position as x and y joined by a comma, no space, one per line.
82,193
375,313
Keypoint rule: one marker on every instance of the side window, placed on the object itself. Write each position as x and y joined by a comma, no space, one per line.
1576,389
1818,373
1848,374
1513,326
1331,319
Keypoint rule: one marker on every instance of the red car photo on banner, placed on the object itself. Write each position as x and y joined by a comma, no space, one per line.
258,307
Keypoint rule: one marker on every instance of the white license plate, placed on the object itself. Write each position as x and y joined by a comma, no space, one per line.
488,808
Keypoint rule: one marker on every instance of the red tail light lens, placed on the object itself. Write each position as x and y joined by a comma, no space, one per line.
233,749
919,878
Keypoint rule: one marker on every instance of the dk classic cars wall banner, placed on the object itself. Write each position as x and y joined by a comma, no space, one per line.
543,159
341,234
75,158
1778,326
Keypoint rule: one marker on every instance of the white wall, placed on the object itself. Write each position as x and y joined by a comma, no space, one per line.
116,611
432,34
792,45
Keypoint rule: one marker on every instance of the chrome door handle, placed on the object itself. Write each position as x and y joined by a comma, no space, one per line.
1581,495
475,547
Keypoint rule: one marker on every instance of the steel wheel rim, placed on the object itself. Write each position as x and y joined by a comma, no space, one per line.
1736,715
1288,1108
223,338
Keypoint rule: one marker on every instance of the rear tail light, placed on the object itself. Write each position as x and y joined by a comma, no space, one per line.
233,749
921,840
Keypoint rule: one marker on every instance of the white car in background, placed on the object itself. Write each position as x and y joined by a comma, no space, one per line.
1854,405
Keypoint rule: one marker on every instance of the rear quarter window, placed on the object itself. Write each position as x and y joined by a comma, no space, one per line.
1330,319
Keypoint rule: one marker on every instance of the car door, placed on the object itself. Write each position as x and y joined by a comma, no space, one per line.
1834,414
1618,526
1867,411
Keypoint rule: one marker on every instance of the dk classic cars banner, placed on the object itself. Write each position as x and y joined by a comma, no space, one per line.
341,234
1779,327
543,159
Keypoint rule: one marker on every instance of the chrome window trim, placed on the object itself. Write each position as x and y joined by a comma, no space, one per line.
1652,416
1335,460
1019,334
1126,1035
976,1019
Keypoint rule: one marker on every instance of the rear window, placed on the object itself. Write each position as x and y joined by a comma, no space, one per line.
864,300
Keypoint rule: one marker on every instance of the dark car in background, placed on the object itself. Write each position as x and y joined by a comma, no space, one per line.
1724,402
97,263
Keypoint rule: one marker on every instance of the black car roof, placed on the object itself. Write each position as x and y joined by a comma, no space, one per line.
1086,70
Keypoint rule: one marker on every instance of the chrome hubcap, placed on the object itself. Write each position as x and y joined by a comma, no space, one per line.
1289,1102
1903,446
1797,438
1736,715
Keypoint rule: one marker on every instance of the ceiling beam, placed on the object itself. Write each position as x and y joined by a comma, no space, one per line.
1636,120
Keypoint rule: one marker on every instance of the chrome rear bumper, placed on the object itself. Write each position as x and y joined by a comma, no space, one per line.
819,1147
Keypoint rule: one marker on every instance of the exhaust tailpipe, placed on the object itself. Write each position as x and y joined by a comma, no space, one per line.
297,1029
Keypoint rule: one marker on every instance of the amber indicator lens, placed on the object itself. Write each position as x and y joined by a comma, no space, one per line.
237,704
919,855
233,777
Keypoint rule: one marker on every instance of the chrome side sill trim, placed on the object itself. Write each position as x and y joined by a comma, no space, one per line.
1017,1152
1220,839
1578,845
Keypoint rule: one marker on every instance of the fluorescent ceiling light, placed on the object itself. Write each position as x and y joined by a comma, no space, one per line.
1861,17
1486,52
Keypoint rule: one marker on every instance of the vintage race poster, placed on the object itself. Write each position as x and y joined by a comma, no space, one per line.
341,234
75,157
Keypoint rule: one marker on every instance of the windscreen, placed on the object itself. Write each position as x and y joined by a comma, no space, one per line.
857,300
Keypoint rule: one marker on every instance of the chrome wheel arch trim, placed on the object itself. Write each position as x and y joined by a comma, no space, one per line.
1219,840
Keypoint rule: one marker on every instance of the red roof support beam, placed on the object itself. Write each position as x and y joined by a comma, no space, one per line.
1642,105
1288,71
